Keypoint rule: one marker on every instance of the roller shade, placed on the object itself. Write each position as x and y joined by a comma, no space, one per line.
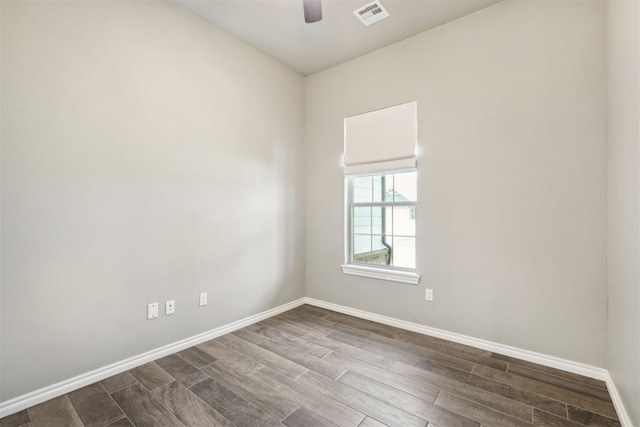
381,140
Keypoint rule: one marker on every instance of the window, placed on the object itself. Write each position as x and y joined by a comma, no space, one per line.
382,218
381,180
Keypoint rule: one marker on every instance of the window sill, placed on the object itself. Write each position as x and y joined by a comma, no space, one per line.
382,274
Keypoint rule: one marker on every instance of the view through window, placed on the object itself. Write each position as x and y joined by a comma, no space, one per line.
383,220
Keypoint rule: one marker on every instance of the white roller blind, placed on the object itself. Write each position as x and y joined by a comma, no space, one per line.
381,140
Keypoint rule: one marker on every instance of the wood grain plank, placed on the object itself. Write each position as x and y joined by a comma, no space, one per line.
296,354
405,401
283,339
413,386
118,382
188,407
184,372
122,422
553,371
231,406
150,375
541,418
95,406
470,354
305,322
350,351
196,357
480,413
370,422
588,418
373,347
363,324
562,382
362,402
347,330
484,390
252,390
248,335
142,409
230,357
425,353
268,358
312,310
54,413
302,417
589,403
284,325
428,341
222,339
16,420
327,408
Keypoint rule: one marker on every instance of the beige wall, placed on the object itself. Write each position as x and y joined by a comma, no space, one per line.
623,214
511,211
146,156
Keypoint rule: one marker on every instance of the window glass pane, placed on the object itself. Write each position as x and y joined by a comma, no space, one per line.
404,252
362,248
381,250
383,188
376,220
363,189
404,221
405,187
362,220
382,220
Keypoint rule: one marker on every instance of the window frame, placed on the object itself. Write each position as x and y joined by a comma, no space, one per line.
375,271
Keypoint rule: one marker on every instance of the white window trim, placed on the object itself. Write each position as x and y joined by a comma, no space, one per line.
382,273
391,274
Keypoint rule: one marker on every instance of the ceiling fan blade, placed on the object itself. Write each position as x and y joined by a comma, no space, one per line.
312,10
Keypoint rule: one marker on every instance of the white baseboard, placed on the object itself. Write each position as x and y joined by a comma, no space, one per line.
42,395
623,415
530,356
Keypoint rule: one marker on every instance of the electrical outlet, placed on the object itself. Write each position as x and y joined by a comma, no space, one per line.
203,299
152,310
169,307
428,295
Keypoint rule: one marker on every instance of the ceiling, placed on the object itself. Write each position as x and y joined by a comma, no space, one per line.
277,27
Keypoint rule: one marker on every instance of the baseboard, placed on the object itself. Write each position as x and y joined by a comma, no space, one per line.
42,395
623,415
530,356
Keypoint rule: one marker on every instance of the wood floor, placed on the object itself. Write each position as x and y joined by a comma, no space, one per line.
313,367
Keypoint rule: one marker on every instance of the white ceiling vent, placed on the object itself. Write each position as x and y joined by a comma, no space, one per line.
371,12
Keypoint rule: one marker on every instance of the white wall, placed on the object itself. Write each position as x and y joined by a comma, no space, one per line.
511,213
146,156
623,213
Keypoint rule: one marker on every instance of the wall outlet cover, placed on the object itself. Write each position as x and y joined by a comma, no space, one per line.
152,311
169,307
428,295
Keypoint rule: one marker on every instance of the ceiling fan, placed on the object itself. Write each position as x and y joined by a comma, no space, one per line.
312,11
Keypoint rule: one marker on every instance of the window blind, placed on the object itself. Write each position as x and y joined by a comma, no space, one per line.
381,140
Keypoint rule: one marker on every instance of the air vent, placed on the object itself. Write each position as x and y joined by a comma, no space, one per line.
371,12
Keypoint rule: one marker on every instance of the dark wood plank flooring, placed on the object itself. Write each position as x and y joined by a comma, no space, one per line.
314,367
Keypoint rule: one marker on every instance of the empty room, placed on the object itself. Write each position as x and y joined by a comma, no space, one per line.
319,213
